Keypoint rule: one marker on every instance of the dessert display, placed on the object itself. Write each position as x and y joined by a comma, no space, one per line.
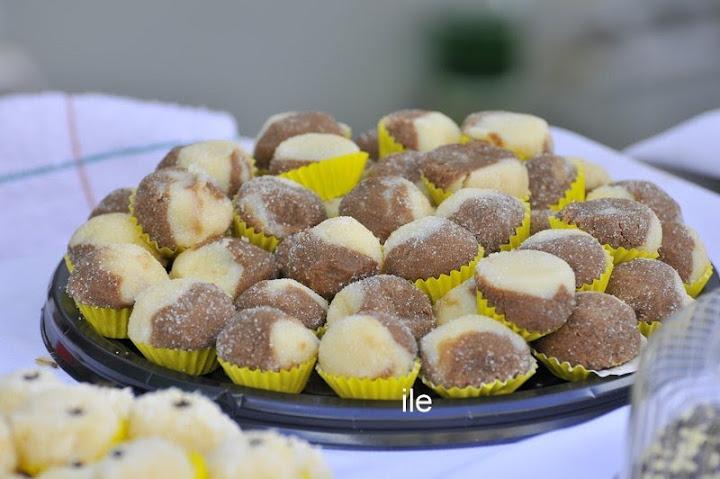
644,192
117,201
554,182
532,292
383,204
419,130
331,255
498,220
289,296
282,126
652,288
265,348
177,209
269,209
175,323
526,135
474,165
84,431
385,294
475,356
229,263
591,263
601,333
308,148
223,161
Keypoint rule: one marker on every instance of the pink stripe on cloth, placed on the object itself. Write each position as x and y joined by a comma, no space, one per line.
77,152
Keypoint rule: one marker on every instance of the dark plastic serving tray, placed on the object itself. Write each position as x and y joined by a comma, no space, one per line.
544,403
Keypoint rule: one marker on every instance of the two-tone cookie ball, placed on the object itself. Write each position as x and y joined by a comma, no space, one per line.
458,302
652,288
184,314
267,339
645,192
117,201
476,165
617,222
289,296
428,248
367,346
147,457
527,135
384,294
550,177
421,130
683,249
331,255
601,333
595,174
368,142
230,263
225,162
383,204
492,216
472,351
113,276
534,290
282,126
407,164
278,207
309,148
580,250
179,209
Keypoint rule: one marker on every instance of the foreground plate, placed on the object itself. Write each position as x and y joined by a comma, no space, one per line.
542,404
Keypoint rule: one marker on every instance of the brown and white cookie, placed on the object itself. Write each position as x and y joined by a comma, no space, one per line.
527,135
550,177
230,263
309,148
580,250
595,175
277,206
289,296
476,165
384,294
184,314
383,204
406,164
282,126
459,301
368,142
113,276
534,290
473,350
683,249
428,248
617,222
652,288
223,161
179,209
492,216
645,192
331,255
117,201
601,333
367,346
421,130
266,338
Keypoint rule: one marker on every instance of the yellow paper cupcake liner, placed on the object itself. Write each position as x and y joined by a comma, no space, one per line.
437,195
696,287
108,322
436,287
647,328
68,263
195,363
575,193
365,388
291,380
494,388
386,143
320,332
330,178
484,308
198,463
600,283
563,370
258,238
521,232
163,251
620,254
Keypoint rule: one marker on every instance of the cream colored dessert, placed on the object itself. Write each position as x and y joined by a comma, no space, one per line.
645,192
459,301
309,148
8,457
18,387
595,174
526,135
151,457
421,130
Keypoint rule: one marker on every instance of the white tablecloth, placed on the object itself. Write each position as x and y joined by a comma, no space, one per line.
61,153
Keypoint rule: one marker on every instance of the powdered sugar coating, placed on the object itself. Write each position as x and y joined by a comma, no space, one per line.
459,301
349,233
526,134
314,147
